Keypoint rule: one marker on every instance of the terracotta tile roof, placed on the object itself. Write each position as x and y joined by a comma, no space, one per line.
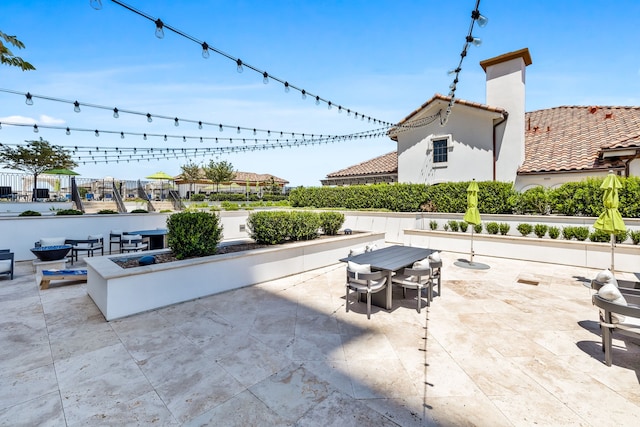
385,164
571,138
243,177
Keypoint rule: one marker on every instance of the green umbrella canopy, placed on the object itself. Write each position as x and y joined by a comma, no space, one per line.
159,175
610,220
60,172
472,215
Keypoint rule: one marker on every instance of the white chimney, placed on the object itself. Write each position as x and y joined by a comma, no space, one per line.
506,89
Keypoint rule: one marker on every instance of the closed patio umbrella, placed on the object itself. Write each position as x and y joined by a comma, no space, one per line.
472,215
610,220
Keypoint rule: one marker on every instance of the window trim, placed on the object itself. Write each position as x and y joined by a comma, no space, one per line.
448,148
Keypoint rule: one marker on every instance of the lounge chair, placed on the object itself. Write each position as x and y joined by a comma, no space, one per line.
6,262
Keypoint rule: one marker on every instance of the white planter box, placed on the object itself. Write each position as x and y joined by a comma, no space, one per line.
122,292
566,252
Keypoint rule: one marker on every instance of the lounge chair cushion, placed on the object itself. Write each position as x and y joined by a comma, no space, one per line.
435,257
5,265
371,247
359,268
610,292
606,276
52,241
423,263
357,251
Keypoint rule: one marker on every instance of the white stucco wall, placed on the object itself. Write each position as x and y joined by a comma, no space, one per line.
506,89
470,154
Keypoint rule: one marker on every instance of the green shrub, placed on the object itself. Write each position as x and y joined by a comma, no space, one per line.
477,228
464,225
540,230
635,236
107,211
230,206
304,225
193,234
568,232
433,225
446,226
599,236
533,201
69,212
553,232
30,213
492,227
621,236
453,225
197,197
581,233
504,228
330,222
525,228
269,227
139,211
165,210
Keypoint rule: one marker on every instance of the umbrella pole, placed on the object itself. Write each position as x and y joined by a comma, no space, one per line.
471,257
613,244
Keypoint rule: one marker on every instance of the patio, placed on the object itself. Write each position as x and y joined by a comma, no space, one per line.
497,350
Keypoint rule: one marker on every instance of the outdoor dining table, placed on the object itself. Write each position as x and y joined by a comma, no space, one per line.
391,259
156,237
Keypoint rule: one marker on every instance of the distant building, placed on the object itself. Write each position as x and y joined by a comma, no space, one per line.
499,141
243,182
379,170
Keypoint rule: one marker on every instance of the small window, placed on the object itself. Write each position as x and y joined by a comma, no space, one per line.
440,151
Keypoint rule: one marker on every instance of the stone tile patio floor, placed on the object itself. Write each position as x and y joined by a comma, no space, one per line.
492,350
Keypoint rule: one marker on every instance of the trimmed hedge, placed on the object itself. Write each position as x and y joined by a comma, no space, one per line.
274,227
69,212
193,234
582,198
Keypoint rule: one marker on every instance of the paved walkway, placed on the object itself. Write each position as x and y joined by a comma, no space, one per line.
494,350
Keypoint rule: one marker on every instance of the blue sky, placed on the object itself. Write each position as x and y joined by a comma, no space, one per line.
380,58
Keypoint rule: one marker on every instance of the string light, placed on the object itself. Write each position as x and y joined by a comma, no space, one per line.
29,100
469,39
115,113
206,48
96,4
76,106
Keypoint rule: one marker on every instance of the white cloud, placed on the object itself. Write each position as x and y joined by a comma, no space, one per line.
21,120
48,120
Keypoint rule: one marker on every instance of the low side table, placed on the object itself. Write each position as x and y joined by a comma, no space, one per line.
59,264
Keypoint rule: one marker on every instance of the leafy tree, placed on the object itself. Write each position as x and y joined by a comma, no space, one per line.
7,57
36,157
191,173
219,172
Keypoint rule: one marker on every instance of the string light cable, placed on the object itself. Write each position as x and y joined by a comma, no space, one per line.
240,64
469,40
29,100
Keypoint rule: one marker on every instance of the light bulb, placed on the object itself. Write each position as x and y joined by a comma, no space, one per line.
205,50
149,119
121,135
29,100
76,106
474,40
265,78
96,4
184,139
304,94
317,100
0,125
176,123
254,131
97,133
348,113
159,30
480,19
68,132
238,129
286,87
115,113
199,125
35,129
329,105
339,108
239,65
221,128
144,136
165,138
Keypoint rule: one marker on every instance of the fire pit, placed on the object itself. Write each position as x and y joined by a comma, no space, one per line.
51,253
